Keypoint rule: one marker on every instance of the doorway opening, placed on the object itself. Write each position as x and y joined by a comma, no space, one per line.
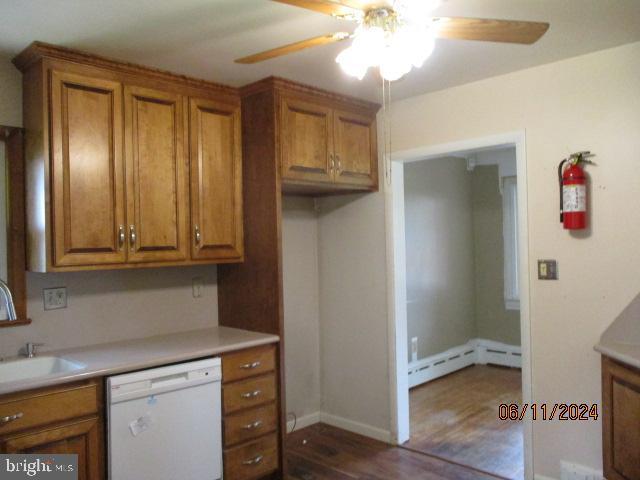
460,335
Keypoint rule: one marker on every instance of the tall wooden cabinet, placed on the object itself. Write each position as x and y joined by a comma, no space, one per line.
128,166
291,133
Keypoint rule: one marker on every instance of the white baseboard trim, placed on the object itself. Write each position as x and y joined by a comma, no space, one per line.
304,421
343,423
356,427
542,477
476,351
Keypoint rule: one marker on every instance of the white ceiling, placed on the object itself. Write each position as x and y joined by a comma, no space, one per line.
202,37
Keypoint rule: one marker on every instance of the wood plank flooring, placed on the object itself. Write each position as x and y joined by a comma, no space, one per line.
321,452
456,418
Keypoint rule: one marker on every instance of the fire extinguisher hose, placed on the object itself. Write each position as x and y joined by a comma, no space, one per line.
561,192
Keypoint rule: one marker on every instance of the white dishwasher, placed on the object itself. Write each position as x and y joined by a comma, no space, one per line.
165,423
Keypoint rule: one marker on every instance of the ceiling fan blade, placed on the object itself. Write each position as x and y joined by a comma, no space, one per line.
329,7
488,30
294,47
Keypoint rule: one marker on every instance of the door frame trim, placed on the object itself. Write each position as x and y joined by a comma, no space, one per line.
396,278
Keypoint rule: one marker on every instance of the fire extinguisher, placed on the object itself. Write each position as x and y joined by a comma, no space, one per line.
573,191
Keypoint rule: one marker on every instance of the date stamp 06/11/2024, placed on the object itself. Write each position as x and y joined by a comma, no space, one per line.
548,412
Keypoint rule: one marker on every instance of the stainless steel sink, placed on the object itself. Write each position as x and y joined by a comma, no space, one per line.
28,368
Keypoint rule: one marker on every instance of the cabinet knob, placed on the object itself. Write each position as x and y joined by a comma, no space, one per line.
197,235
121,237
339,163
332,162
132,236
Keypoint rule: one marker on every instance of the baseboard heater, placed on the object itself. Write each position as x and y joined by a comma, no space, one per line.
477,351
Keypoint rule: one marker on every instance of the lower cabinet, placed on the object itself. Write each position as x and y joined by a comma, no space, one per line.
621,422
65,420
250,414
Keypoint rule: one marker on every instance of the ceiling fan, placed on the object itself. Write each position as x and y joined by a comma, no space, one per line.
397,35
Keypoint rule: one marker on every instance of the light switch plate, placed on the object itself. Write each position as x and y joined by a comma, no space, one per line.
547,270
54,298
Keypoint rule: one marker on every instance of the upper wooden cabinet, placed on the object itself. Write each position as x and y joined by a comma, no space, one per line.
216,179
328,142
156,174
87,170
128,166
355,149
307,141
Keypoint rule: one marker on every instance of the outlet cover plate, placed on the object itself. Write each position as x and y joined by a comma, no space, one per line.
54,298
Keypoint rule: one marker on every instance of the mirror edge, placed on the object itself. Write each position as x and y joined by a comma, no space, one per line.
16,243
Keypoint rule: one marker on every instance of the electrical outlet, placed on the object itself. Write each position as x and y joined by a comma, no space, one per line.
414,349
197,284
55,298
573,471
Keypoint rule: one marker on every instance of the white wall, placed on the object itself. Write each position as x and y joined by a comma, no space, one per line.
493,320
439,241
586,103
110,305
301,305
353,334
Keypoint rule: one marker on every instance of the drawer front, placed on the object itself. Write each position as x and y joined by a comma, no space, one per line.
42,407
253,460
249,424
248,363
249,393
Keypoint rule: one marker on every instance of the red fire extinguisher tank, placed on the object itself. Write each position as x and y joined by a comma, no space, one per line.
574,197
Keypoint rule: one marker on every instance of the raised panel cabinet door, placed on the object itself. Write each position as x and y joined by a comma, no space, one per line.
307,141
216,180
156,172
81,437
356,157
87,177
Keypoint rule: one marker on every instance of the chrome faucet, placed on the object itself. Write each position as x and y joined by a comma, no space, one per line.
8,301
30,349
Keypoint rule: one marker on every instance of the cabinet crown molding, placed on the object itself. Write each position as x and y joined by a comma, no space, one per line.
282,84
39,50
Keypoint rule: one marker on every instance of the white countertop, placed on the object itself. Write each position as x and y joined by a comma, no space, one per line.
621,341
626,353
129,355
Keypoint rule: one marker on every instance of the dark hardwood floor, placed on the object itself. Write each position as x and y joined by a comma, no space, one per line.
456,418
321,452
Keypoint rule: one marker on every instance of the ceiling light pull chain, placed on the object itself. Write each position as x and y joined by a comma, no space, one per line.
386,110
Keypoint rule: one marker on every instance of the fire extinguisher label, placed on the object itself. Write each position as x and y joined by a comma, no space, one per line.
575,198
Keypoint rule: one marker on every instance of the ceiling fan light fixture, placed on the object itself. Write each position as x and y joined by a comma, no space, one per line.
352,64
395,51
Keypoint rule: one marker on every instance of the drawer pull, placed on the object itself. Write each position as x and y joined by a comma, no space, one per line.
253,461
253,394
11,418
253,426
250,366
